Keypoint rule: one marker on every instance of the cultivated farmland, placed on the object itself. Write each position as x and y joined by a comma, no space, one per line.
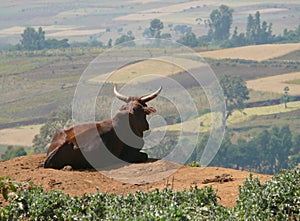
276,84
256,52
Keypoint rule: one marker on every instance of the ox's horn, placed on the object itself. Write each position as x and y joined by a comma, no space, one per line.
149,97
120,96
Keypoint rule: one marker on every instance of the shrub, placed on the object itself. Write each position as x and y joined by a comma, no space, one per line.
277,199
156,205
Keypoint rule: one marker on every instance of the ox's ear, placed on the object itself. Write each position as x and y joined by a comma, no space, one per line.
149,110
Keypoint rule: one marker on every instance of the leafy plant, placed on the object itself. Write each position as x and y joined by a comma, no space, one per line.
278,199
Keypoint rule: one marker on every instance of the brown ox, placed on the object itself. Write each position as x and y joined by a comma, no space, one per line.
102,144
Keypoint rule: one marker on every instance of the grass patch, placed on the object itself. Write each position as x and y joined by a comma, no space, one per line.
296,81
237,117
147,70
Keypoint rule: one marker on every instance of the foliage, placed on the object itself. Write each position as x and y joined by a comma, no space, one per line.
156,205
156,26
12,152
290,35
183,29
268,152
285,97
35,40
235,93
277,199
194,164
8,187
189,39
220,21
125,39
258,32
58,120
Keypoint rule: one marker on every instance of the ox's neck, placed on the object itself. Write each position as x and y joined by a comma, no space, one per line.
123,130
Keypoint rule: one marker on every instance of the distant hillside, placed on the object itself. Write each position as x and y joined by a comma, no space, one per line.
102,20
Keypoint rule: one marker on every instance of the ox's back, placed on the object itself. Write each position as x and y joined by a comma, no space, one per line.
83,146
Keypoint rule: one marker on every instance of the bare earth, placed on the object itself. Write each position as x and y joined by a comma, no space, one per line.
134,177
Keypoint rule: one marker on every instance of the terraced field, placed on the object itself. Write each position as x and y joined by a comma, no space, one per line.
253,52
236,118
31,93
276,84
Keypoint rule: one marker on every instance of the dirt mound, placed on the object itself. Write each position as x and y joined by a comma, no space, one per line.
155,174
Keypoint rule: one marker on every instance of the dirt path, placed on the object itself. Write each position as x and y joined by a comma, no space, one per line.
80,182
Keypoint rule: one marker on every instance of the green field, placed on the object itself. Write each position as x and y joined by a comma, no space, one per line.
296,81
236,118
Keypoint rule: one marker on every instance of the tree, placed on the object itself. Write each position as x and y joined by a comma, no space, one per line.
32,40
109,43
155,28
189,39
285,97
35,40
183,29
235,93
283,153
58,120
125,39
220,21
166,36
12,152
258,33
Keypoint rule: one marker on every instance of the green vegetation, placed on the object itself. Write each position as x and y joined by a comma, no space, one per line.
285,97
12,152
35,40
257,32
125,38
155,28
235,93
277,199
58,119
268,151
296,81
219,22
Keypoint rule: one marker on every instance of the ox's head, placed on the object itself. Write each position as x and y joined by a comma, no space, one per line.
136,110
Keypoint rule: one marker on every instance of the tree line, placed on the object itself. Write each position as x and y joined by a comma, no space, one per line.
257,31
267,152
35,40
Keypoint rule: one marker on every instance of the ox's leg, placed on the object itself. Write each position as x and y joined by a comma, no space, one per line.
133,155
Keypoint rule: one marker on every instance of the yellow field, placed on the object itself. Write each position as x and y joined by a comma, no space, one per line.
254,52
19,29
20,136
147,70
266,10
162,11
237,117
76,33
276,83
